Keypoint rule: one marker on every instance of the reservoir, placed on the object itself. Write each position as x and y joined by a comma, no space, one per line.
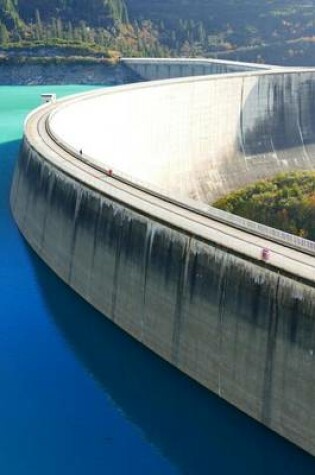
80,396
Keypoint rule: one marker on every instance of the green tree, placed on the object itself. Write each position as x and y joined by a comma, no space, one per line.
4,34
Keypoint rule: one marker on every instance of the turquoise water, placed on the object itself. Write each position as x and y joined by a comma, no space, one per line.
79,396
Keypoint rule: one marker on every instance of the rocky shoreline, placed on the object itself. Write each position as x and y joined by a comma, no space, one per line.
72,73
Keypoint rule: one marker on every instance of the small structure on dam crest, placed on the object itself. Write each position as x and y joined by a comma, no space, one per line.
229,302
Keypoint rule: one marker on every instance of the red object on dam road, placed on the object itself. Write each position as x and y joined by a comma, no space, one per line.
265,254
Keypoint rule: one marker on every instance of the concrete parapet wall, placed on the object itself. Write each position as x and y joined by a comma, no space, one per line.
160,68
245,332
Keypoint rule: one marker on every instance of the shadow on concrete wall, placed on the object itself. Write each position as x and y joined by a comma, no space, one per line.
275,133
279,114
194,429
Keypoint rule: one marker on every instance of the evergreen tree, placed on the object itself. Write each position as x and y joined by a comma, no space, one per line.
4,35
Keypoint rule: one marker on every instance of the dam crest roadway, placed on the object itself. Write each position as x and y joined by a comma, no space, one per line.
112,190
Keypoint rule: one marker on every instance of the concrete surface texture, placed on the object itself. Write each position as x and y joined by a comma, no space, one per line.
165,68
198,138
191,289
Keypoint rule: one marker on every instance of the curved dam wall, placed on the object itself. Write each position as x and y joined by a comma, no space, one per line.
198,138
150,69
240,326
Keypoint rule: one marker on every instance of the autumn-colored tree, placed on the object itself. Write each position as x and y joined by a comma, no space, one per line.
286,202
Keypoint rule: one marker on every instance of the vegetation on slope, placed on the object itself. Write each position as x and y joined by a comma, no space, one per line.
256,30
286,202
96,25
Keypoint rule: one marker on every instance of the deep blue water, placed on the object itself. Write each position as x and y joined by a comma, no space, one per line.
79,396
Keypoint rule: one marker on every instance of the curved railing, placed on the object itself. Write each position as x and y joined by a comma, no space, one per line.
252,227
263,231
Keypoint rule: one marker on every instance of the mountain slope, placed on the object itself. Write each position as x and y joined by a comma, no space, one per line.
93,12
279,31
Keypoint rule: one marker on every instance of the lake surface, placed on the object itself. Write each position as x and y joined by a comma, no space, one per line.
79,396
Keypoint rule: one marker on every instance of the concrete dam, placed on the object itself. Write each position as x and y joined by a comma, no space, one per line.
113,190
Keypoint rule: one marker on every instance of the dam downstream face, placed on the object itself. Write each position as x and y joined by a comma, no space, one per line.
191,285
197,138
80,396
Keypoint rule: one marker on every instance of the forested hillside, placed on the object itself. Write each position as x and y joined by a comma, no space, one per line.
94,25
28,18
210,25
285,202
93,12
257,30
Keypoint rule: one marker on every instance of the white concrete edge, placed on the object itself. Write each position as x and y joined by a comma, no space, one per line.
208,211
202,61
267,232
184,80
188,206
289,261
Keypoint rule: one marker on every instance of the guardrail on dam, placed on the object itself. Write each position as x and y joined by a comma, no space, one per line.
117,210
